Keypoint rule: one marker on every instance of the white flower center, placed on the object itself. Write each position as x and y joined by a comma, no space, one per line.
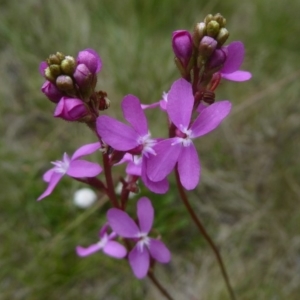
62,166
143,242
103,241
185,141
147,144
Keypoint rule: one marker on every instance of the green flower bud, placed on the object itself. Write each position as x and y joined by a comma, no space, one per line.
208,18
199,33
60,56
220,19
212,28
49,75
222,36
55,70
68,65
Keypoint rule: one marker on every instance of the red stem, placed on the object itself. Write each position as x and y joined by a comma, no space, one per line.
110,185
158,285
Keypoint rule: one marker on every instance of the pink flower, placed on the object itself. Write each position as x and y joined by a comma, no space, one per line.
106,244
74,167
234,60
135,139
146,247
180,149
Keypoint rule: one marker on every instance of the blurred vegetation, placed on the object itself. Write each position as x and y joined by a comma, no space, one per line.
249,195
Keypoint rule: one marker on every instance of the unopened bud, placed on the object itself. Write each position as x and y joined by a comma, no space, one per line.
199,33
182,45
207,46
217,60
68,65
212,28
48,75
222,36
220,19
64,83
55,70
91,59
82,76
55,59
208,18
51,91
70,109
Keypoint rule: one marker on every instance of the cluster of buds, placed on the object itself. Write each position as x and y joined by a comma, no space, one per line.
202,58
70,83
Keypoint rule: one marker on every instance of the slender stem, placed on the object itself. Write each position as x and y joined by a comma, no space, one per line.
205,234
158,285
109,182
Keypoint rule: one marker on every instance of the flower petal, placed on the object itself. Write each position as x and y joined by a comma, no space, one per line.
159,166
134,167
82,251
235,57
116,134
189,167
86,150
55,178
48,174
115,249
159,251
158,187
145,214
210,118
237,76
82,168
139,262
43,65
121,223
134,114
180,103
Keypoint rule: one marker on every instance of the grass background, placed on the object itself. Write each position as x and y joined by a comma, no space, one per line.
249,195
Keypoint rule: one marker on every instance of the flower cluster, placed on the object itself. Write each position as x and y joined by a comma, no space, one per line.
191,110
70,83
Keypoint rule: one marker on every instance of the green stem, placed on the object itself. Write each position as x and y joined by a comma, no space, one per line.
205,234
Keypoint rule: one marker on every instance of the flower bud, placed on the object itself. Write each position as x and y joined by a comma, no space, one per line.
182,45
222,36
218,59
68,65
91,59
199,33
212,28
70,109
64,83
48,75
42,67
51,91
220,19
207,46
82,76
55,59
55,70
208,18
